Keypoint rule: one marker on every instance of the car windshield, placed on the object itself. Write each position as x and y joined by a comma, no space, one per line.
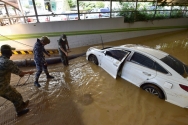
106,47
175,64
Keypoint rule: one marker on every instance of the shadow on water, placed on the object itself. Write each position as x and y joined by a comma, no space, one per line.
53,103
84,94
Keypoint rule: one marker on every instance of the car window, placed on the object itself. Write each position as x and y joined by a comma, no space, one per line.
142,60
75,15
160,68
175,64
117,54
186,68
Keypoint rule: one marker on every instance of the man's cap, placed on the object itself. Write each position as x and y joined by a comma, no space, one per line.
64,36
45,39
7,47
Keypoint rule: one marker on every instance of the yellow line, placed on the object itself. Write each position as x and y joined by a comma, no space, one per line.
50,51
23,52
30,52
15,52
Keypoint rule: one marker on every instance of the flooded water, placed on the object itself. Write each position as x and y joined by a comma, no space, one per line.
84,94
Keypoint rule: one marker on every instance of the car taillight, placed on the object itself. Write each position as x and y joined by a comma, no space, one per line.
184,87
76,18
28,19
64,18
47,19
100,15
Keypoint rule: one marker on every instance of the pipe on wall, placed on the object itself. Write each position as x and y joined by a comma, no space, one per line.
30,62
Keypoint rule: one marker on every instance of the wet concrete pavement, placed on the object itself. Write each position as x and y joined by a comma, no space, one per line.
84,94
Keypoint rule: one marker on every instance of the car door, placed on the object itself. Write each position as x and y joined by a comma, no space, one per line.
138,69
112,60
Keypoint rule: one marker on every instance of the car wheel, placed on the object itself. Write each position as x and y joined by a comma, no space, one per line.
93,59
154,90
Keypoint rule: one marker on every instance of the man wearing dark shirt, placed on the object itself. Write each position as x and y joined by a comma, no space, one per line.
39,58
63,51
7,67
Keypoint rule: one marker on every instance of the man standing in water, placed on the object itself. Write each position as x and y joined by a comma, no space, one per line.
63,51
39,58
7,67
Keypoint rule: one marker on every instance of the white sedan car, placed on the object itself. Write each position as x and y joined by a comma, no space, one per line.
152,70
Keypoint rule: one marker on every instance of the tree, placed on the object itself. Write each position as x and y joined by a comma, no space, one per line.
72,3
100,4
87,5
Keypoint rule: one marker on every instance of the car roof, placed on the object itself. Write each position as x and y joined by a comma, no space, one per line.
145,49
104,10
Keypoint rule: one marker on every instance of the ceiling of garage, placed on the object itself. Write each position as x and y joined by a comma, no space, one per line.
174,2
12,3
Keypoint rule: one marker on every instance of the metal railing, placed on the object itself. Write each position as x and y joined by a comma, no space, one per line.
130,16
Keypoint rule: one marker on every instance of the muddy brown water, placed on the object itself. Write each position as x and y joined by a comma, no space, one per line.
84,94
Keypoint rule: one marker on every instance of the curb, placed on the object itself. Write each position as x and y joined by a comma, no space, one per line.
30,62
23,52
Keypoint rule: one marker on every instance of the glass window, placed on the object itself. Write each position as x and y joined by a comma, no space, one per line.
160,68
142,60
175,64
94,9
117,54
145,6
30,2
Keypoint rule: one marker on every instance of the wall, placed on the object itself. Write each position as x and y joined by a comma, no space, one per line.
84,32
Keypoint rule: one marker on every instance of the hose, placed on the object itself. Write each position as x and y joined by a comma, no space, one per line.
23,83
30,62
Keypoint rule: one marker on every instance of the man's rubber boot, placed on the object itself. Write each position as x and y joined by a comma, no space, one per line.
37,84
22,112
24,109
49,77
25,104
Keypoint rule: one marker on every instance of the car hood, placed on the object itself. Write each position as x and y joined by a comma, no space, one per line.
102,47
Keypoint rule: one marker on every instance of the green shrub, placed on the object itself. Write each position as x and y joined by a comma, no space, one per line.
176,14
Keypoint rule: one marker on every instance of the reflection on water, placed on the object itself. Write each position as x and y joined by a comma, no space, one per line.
84,94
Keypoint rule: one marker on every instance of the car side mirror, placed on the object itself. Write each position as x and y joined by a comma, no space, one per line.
105,53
